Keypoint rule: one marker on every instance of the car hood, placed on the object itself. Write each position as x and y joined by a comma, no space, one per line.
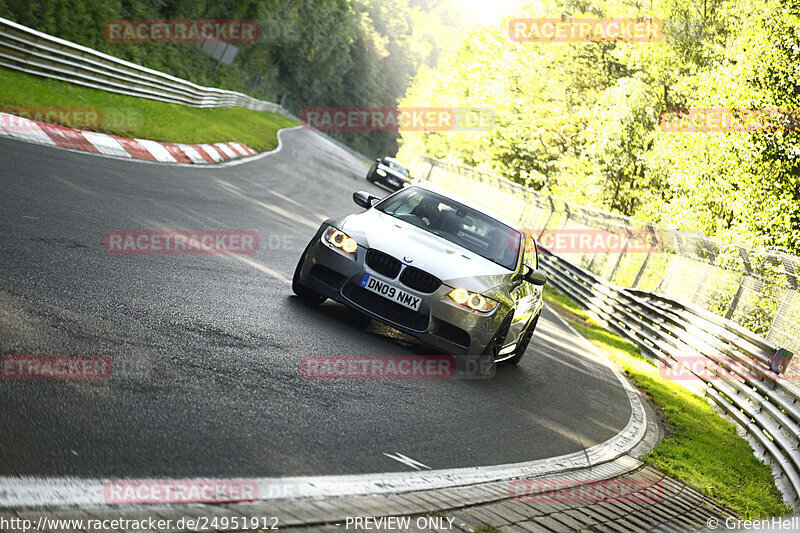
454,265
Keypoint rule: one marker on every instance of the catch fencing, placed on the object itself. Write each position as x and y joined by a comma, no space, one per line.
756,289
723,318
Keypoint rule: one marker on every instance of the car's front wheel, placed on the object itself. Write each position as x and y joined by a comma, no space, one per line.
487,359
523,343
305,294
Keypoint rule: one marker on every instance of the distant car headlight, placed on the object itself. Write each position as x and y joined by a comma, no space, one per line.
381,172
472,300
339,239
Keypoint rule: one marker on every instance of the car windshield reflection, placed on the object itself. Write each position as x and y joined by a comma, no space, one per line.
457,223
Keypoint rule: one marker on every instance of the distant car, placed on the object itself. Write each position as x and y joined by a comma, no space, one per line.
443,270
390,172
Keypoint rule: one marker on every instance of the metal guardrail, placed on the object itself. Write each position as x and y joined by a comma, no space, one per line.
739,371
27,50
755,288
665,330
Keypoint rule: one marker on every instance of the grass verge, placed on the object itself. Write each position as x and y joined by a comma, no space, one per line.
128,116
700,448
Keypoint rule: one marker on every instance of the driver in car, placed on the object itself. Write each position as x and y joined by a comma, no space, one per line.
500,249
428,212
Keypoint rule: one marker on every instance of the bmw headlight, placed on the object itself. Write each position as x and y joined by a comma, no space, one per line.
340,240
381,172
472,300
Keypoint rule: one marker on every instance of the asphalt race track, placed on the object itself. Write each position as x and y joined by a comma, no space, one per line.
206,349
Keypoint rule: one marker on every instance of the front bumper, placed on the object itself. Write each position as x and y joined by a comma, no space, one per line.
439,323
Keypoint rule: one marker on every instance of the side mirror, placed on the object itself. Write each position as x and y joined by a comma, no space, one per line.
364,199
535,277
378,160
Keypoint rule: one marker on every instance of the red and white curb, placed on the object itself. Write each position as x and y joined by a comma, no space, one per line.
102,143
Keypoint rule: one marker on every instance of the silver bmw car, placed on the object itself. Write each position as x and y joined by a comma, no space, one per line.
437,267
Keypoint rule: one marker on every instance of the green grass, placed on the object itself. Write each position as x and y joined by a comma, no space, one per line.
700,448
128,116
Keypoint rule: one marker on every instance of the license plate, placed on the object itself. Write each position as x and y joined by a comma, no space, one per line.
391,292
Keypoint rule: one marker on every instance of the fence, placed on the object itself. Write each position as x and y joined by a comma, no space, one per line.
757,289
27,50
733,295
738,370
640,298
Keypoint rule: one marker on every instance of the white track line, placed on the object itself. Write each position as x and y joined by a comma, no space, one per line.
51,491
408,461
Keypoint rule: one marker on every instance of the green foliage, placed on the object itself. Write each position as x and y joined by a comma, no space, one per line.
309,53
128,116
581,120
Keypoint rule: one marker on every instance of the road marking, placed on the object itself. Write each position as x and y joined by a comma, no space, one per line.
406,461
235,191
265,269
32,491
34,134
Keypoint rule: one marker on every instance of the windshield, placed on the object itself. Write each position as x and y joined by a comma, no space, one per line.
394,165
457,223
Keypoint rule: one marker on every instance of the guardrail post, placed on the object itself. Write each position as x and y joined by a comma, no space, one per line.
736,297
624,250
549,216
700,283
647,258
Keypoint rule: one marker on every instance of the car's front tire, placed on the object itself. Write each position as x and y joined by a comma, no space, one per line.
487,359
523,343
303,292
